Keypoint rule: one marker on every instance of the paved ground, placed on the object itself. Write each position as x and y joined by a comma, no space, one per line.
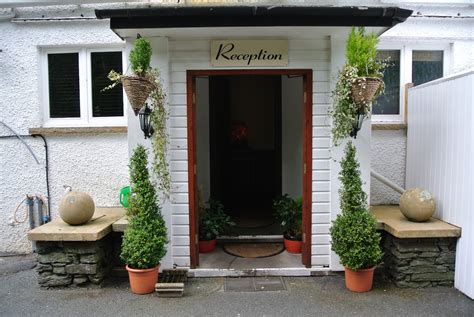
316,296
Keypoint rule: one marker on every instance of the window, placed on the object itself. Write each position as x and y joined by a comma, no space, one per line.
426,66
73,88
415,64
389,102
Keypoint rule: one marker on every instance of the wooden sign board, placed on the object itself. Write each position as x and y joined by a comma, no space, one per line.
249,53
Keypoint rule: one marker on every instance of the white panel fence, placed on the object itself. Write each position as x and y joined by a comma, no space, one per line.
440,158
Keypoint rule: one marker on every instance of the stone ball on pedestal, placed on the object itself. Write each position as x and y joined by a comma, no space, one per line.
76,208
417,204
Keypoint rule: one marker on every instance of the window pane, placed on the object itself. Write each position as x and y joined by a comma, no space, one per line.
426,66
107,103
63,72
389,102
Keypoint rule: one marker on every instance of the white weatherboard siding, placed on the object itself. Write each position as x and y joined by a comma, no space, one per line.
195,54
440,153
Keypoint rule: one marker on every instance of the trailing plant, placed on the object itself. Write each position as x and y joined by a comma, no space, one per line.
213,220
159,140
354,232
362,63
145,239
289,211
344,110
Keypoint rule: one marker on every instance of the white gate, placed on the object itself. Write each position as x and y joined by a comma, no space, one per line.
440,158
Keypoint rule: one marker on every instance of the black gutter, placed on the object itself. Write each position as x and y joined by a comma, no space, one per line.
248,16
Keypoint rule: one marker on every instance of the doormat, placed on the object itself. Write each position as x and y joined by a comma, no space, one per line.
253,250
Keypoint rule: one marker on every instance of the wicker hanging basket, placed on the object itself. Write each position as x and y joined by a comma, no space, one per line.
364,89
138,90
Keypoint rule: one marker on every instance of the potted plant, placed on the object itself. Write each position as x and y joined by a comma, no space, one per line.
139,86
145,239
358,84
213,221
289,211
354,232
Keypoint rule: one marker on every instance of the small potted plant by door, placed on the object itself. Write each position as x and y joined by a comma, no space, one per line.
213,221
354,232
145,239
289,212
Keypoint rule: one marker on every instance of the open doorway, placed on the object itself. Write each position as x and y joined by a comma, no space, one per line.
249,143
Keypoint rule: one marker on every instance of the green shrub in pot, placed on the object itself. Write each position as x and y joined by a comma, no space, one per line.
289,212
213,221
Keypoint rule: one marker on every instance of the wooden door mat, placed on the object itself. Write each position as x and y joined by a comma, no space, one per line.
254,250
171,283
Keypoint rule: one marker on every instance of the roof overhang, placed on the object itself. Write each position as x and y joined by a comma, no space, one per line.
251,16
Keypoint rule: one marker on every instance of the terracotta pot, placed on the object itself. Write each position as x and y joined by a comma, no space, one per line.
360,280
143,281
206,246
293,246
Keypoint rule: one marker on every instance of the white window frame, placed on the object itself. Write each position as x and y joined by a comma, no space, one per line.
406,53
86,118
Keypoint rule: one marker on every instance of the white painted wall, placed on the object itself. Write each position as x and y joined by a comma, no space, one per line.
96,164
439,158
292,135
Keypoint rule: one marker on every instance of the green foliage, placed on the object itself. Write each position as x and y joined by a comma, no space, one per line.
354,232
290,213
140,56
344,110
361,53
145,239
159,139
213,220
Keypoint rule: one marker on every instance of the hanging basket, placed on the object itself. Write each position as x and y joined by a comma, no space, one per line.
138,90
364,89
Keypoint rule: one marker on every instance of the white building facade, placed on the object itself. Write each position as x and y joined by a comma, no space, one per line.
93,156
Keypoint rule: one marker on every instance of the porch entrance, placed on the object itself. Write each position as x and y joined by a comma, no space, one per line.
249,142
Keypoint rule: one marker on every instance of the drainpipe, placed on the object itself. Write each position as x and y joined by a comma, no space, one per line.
387,182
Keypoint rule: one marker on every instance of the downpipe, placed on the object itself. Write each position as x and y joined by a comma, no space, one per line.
31,216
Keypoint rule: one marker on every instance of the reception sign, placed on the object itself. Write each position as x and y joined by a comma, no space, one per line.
249,53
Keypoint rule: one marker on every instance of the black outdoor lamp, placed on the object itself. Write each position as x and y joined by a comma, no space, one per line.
145,121
358,124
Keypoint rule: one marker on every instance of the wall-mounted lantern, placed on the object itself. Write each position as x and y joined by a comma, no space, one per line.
357,124
145,121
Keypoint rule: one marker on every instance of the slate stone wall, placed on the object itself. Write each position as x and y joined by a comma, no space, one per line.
422,262
63,264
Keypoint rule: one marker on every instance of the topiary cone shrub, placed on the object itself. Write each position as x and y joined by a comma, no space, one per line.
145,239
354,232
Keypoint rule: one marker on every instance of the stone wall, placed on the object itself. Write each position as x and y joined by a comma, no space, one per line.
421,262
63,264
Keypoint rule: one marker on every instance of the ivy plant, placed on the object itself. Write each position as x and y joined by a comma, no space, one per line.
354,232
145,239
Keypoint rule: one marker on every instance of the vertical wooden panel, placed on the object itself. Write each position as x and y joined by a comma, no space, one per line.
440,156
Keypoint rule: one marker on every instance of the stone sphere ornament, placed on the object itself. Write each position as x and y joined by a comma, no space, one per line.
76,208
417,204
